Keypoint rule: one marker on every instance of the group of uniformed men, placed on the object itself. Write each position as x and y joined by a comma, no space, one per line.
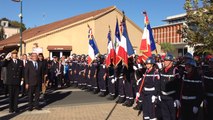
163,88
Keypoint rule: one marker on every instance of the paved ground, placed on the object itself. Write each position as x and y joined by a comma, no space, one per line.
71,104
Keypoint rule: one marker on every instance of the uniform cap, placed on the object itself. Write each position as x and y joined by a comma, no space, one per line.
14,52
150,60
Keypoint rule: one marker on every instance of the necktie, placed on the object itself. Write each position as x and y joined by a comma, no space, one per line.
35,65
15,61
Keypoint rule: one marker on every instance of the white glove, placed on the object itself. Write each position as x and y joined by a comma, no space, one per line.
123,81
137,83
139,66
113,81
135,68
22,82
159,98
195,110
154,98
138,94
8,55
177,104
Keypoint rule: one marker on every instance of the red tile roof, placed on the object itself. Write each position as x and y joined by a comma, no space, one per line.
35,32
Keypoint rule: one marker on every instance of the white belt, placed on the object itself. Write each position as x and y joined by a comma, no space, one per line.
151,75
167,75
209,94
111,76
211,78
192,81
168,93
189,97
121,77
149,89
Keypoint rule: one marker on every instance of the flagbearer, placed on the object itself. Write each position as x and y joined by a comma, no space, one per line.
120,78
111,81
150,90
128,83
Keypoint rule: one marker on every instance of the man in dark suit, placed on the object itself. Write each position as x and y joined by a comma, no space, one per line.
13,79
32,79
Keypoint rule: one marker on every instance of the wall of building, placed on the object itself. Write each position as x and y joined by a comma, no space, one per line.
10,31
75,36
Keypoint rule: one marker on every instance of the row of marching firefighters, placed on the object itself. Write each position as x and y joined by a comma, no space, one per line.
166,89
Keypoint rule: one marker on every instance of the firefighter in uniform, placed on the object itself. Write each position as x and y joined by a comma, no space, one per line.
102,77
92,75
191,91
128,83
120,69
170,87
150,90
208,83
111,81
139,70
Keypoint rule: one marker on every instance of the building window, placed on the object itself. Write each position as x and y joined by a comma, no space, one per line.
182,51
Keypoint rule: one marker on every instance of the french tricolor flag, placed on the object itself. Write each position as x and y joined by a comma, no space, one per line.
93,49
147,42
116,43
125,47
110,50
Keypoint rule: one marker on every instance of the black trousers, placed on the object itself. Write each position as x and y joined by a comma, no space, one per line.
13,97
34,94
209,109
168,110
148,107
187,110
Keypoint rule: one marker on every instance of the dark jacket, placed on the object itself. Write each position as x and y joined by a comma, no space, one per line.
32,76
14,72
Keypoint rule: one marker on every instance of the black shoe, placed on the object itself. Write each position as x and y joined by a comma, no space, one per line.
125,103
120,100
102,94
11,111
136,107
38,108
111,97
130,104
95,91
30,109
17,111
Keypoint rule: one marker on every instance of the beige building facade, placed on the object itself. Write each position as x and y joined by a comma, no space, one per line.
71,35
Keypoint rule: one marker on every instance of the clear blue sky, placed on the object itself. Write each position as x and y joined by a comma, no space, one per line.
40,12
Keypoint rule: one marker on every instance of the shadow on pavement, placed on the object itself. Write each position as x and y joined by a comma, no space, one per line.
55,96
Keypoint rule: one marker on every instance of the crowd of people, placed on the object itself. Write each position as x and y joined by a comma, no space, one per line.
163,88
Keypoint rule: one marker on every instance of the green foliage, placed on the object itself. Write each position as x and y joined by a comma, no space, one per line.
167,47
17,25
199,24
1,33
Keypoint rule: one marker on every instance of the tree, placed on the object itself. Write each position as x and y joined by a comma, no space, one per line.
198,30
17,25
2,33
167,47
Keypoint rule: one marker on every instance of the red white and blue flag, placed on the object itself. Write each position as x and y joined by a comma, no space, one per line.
110,50
147,42
116,43
125,47
93,49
